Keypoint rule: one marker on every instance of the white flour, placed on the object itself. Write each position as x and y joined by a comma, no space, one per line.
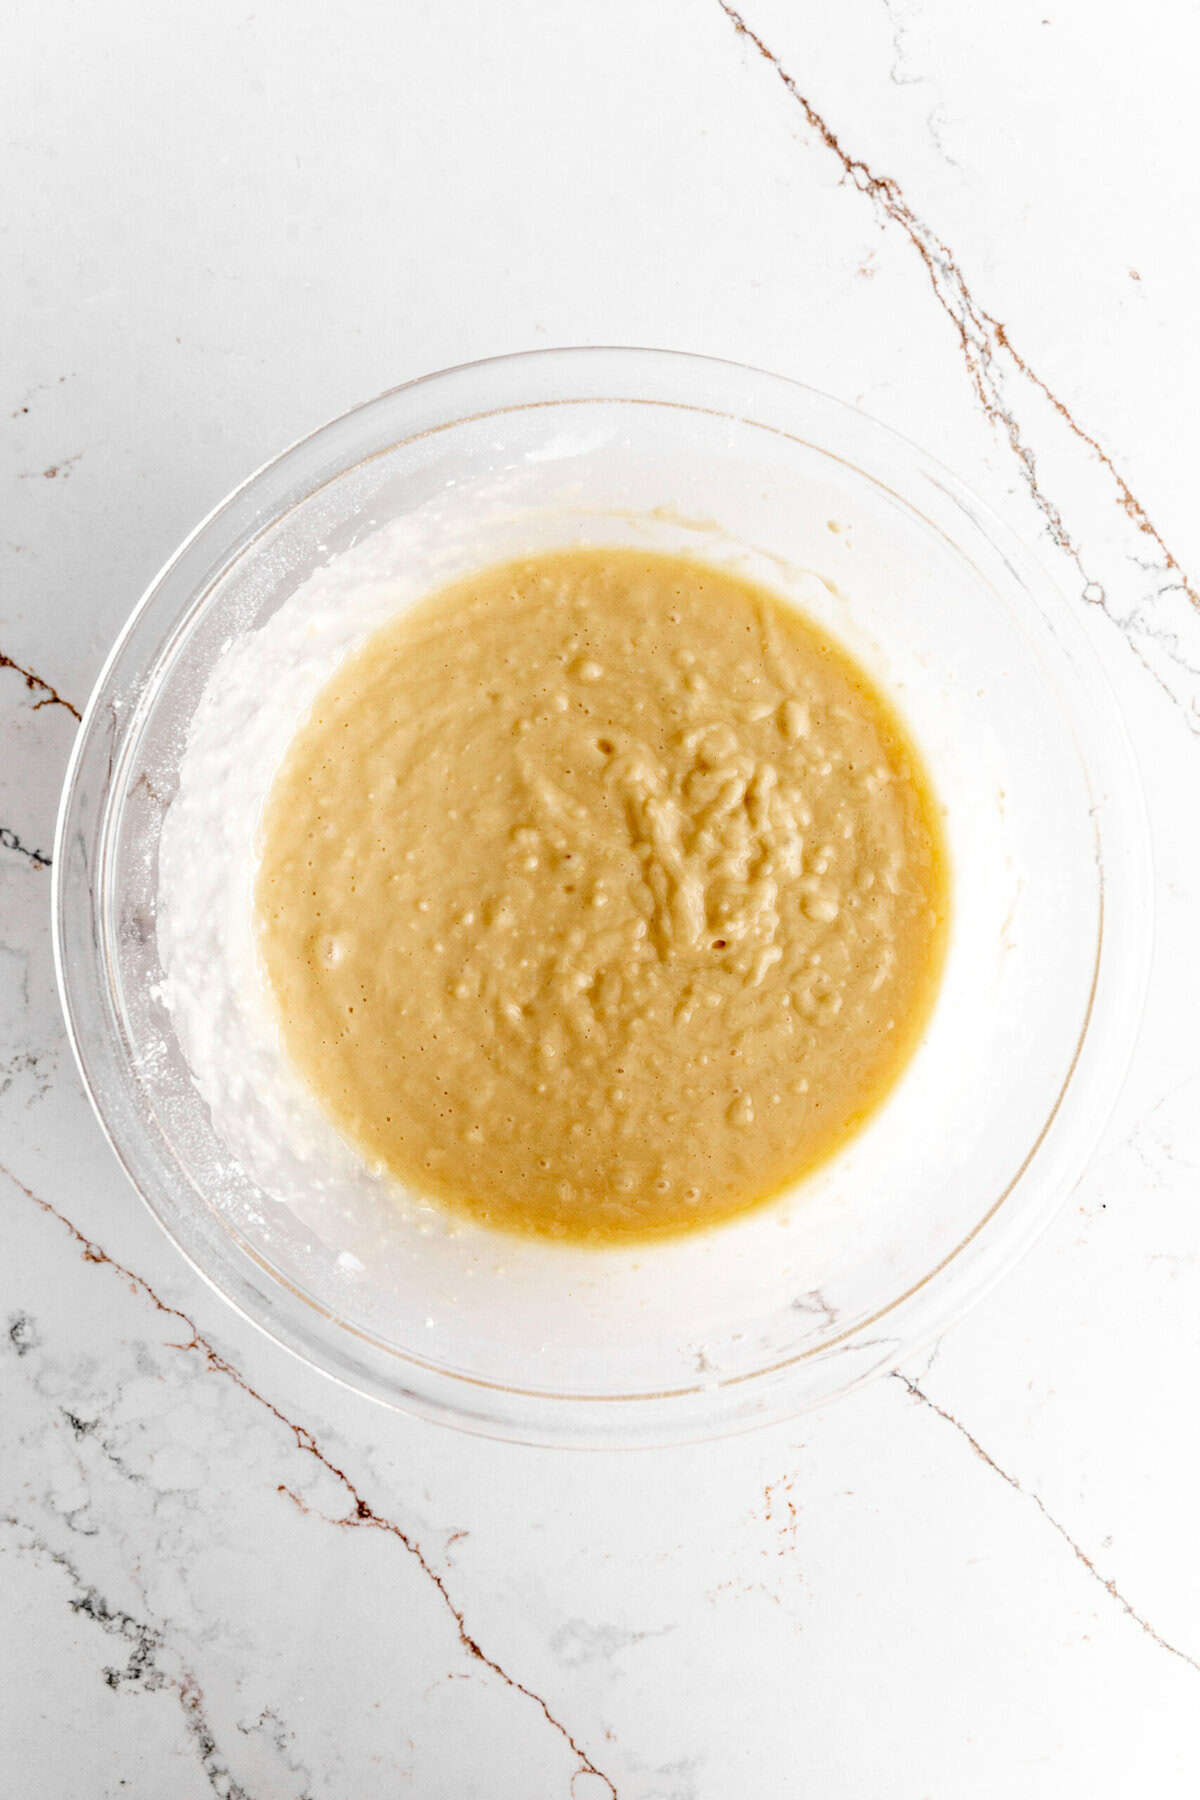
215,989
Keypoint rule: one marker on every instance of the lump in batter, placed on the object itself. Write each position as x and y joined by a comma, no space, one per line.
601,895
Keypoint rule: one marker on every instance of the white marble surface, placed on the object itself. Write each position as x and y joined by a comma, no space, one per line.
219,1575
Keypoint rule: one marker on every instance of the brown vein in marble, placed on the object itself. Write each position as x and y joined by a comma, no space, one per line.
362,1515
55,470
35,684
1110,1587
776,1496
982,338
10,841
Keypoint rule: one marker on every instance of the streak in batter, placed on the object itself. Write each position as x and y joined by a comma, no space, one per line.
602,896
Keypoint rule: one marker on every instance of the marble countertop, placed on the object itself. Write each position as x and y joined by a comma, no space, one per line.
221,1575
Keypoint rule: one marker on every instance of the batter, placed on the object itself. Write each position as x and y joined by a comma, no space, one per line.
602,896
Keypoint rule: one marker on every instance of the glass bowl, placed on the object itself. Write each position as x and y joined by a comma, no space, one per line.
1021,1062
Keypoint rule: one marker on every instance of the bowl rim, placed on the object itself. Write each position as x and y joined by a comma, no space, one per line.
929,1305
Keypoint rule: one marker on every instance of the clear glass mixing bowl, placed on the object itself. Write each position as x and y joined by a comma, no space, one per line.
1023,1057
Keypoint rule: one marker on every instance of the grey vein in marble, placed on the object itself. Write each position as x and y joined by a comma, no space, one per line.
360,1516
150,1665
579,1642
1151,622
900,75
281,1738
10,841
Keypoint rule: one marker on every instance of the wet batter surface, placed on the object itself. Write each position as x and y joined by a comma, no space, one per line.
601,895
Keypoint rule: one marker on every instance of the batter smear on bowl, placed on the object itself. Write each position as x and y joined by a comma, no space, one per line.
602,896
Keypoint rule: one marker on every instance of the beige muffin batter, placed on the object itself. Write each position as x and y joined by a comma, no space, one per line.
602,895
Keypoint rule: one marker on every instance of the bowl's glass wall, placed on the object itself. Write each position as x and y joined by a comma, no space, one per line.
994,1114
